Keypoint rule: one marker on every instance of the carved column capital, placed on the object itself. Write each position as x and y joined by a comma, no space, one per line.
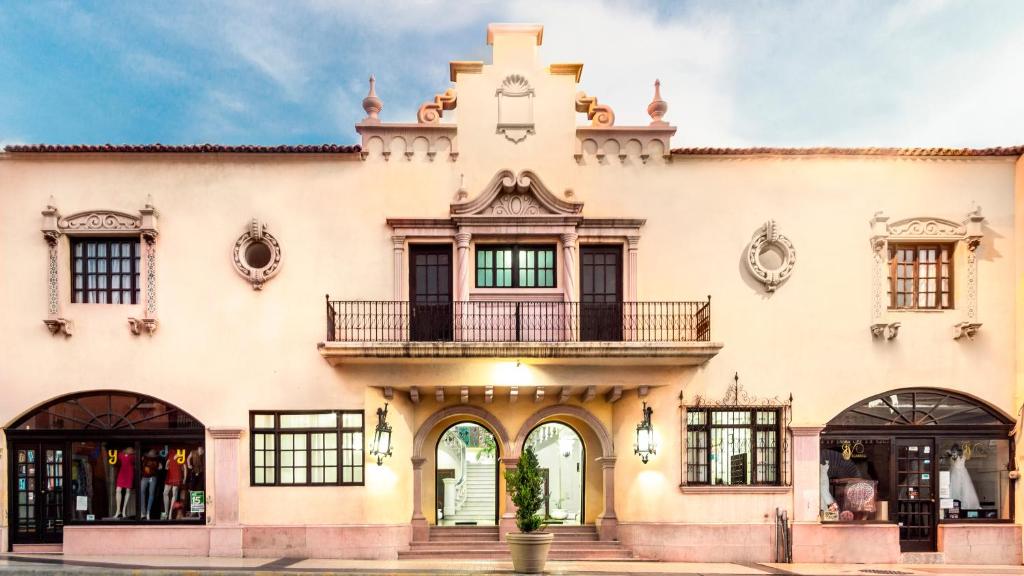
633,242
51,236
417,462
398,242
462,239
569,239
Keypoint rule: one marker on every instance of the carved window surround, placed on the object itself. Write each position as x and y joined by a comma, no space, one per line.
402,140
56,228
513,208
623,142
969,233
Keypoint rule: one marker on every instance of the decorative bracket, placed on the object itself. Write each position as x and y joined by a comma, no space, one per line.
888,331
599,114
60,326
138,325
765,237
431,112
966,330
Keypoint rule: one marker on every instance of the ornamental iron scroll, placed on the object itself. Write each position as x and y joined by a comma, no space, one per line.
257,254
766,238
736,396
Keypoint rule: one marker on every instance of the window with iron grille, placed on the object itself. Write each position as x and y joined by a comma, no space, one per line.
322,448
733,446
105,270
921,276
525,266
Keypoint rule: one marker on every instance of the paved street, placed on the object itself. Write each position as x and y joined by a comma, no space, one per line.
43,564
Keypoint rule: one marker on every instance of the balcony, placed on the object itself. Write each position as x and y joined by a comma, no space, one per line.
677,333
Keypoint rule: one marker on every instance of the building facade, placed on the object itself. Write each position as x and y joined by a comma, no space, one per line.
828,335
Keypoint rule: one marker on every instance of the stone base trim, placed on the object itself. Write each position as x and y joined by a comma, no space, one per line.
846,543
352,542
981,543
678,542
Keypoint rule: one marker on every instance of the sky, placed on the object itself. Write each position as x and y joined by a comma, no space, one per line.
735,73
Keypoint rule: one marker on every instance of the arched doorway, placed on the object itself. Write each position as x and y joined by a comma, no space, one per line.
466,476
917,457
562,455
104,457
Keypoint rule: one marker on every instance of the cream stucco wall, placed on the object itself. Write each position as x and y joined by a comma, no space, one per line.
223,349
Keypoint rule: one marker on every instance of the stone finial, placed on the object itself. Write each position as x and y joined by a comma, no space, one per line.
462,194
657,108
372,104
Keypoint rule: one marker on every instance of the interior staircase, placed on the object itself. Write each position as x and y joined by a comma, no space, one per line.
481,542
479,507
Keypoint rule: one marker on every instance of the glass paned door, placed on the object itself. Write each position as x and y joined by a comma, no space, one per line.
601,293
915,494
38,493
430,293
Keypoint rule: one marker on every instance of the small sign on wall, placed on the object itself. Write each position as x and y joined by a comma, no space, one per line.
198,501
81,503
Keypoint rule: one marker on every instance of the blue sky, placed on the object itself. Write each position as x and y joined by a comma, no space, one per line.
736,73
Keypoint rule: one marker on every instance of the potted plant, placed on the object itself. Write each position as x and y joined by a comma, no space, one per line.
526,485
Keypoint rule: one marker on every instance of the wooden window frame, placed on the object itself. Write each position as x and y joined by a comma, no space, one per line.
135,262
915,247
515,248
276,431
753,427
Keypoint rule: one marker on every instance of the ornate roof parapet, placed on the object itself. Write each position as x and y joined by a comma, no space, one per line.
602,140
424,139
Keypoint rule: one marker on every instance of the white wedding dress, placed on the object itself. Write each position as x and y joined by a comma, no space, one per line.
960,485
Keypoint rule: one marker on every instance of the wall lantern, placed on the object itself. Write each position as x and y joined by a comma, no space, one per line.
381,436
645,446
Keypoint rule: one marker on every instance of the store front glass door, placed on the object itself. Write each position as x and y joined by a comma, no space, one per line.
915,494
38,514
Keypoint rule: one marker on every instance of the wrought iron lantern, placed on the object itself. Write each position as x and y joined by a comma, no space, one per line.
645,446
381,436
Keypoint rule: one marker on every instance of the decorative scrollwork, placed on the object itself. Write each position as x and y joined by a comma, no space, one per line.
598,114
101,221
257,274
431,112
736,396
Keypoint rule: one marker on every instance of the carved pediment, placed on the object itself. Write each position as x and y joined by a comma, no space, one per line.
100,221
926,228
516,195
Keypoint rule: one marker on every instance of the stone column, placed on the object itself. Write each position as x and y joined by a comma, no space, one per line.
225,531
633,248
420,527
569,240
462,266
398,243
607,522
507,522
806,473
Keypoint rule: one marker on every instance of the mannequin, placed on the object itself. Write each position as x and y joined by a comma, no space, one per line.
196,464
828,503
961,487
172,484
125,482
150,467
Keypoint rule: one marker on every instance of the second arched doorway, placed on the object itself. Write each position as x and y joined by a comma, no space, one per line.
466,476
563,460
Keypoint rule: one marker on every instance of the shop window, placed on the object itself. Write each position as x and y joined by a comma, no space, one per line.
515,266
105,270
307,448
855,475
974,479
920,276
732,446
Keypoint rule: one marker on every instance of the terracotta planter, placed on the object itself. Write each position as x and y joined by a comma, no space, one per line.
529,551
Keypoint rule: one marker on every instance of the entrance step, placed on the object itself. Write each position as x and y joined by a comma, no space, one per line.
37,548
481,542
922,558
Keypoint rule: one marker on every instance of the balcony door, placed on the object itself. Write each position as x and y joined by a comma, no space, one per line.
430,292
601,293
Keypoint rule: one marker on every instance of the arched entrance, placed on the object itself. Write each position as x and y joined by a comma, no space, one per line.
598,493
917,457
104,457
562,455
466,476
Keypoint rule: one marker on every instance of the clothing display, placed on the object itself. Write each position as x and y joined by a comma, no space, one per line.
961,487
175,473
126,472
827,501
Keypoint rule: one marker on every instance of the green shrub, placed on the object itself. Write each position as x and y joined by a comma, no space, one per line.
526,485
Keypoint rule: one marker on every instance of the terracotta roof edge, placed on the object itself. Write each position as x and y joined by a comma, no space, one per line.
182,149
839,151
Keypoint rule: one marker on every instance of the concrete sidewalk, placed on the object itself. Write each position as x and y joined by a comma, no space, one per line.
46,564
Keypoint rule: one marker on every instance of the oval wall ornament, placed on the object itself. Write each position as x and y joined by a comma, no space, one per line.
257,255
767,239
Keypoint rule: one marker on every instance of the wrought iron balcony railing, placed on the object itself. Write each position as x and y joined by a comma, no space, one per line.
502,321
